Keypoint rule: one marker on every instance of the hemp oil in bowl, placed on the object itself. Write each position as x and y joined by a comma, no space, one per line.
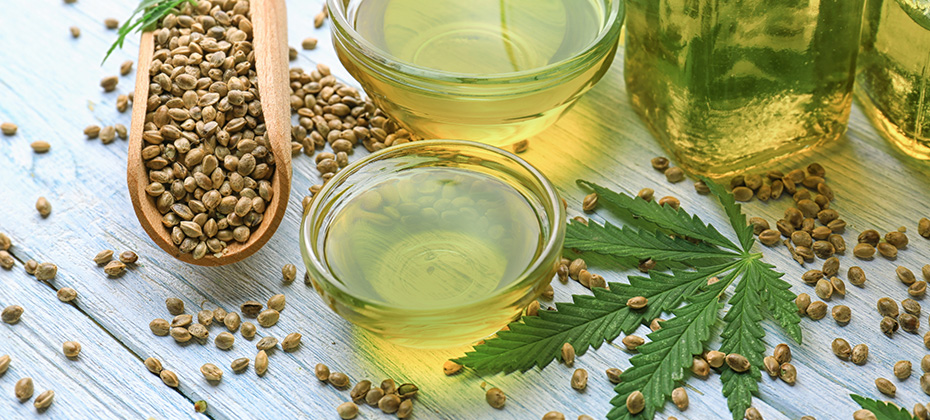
434,243
493,71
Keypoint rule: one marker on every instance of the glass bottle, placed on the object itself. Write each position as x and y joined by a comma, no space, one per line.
893,78
729,84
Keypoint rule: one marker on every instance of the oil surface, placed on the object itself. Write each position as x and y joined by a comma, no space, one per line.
444,237
479,36
893,81
732,84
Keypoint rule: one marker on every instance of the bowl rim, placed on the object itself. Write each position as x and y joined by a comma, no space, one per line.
596,48
554,240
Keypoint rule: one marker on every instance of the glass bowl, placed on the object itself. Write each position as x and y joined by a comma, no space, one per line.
365,279
493,108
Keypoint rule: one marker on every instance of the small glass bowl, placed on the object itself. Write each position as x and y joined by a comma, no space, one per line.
446,326
498,109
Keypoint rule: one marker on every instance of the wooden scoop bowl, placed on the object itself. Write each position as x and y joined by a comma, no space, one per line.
269,22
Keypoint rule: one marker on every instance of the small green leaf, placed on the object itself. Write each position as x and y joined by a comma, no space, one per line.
587,322
881,409
663,360
778,298
153,11
665,217
743,335
627,242
734,213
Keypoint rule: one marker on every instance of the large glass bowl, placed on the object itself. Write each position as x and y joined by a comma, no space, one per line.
448,326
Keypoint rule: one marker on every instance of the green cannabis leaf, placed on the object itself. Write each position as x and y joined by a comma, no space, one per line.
882,410
672,237
153,11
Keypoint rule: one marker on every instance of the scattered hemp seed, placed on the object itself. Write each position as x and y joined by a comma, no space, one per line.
905,275
268,318
860,354
30,266
266,343
909,323
824,289
769,237
450,368
839,286
923,227
103,257
568,354
817,310
347,410
44,400
23,389
373,396
43,207
902,369
128,257
737,362
239,365
289,272
841,314
553,415
864,251
670,201
251,308
219,315
680,398
635,402
637,303
856,276
812,276
885,387
8,128
11,314
700,367
674,175
788,373
613,375
841,348
114,268
182,335
887,307
701,187
911,306
247,330
169,378
752,414
918,289
925,383
153,365
200,406
579,379
6,260
321,371
261,363
888,325
232,321
211,372
41,146
495,398
224,340
589,203
742,194
772,367
632,342
182,320
646,194
863,415
660,163
175,306
831,267
291,342
205,317
198,331
109,83
925,363
803,301
360,390
71,349
5,242
782,353
887,250
160,327
338,379
716,358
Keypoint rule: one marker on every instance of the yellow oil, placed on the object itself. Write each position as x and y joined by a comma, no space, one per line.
442,238
460,42
893,79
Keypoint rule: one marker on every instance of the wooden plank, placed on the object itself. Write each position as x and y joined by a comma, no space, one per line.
106,378
601,140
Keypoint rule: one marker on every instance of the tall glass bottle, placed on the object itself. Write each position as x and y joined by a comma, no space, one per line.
893,79
729,84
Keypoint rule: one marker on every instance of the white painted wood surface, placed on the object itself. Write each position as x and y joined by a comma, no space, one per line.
49,86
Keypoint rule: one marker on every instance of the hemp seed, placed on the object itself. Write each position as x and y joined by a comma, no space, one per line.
788,373
860,353
346,410
239,365
11,314
261,363
224,340
153,365
211,372
23,389
247,330
568,354
613,375
856,275
494,396
841,348
680,398
885,387
841,314
169,378
902,369
103,257
289,272
175,306
291,342
266,343
635,402
579,379
160,327
321,371
817,310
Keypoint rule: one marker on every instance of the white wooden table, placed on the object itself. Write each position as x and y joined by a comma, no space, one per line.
49,86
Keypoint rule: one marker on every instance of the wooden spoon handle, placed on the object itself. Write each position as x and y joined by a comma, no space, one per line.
269,27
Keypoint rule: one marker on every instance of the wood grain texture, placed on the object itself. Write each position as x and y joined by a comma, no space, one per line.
601,140
269,18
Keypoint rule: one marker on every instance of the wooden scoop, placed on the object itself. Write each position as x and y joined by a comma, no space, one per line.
269,23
